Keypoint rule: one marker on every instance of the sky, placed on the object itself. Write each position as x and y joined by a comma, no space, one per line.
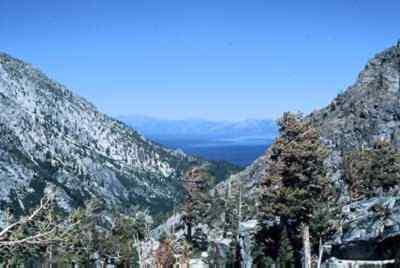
213,59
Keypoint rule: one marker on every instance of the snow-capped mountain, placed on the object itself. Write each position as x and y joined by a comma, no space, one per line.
53,138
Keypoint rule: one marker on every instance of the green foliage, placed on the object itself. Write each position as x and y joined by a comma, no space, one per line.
85,237
31,236
165,255
198,202
222,170
295,183
324,222
367,170
296,179
285,252
87,233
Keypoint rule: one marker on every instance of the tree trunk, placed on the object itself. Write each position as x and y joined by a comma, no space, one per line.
189,232
320,254
307,246
104,263
138,246
50,258
238,257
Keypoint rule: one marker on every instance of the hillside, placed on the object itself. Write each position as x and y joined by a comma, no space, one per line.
51,137
365,113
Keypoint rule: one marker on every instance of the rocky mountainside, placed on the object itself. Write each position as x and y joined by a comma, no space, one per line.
361,115
52,138
366,112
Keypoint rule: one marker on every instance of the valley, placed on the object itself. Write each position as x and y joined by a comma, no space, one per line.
237,153
239,143
79,187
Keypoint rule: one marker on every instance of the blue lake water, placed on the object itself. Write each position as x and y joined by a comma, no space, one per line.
240,151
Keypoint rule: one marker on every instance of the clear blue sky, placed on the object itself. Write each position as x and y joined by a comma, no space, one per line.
218,59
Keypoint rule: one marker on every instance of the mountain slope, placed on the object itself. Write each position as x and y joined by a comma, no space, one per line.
363,114
366,112
369,109
50,137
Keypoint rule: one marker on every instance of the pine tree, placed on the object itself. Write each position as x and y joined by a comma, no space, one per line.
295,182
197,202
186,254
165,255
285,252
86,237
367,170
356,163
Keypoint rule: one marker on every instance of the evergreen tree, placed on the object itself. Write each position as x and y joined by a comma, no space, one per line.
285,252
198,201
86,236
122,238
295,183
91,239
324,223
186,254
367,170
165,255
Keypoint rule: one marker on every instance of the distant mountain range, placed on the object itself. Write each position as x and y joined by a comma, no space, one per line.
201,128
239,142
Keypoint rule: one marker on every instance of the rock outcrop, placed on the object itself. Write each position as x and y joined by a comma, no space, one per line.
371,229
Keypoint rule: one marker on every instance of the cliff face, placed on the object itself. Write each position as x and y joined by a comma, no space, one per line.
365,113
368,110
52,138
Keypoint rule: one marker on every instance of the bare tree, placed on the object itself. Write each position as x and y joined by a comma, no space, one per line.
42,230
35,234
